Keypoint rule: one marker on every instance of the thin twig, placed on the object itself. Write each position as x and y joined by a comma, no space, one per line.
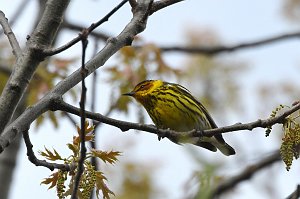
222,49
92,27
246,174
32,158
10,35
80,167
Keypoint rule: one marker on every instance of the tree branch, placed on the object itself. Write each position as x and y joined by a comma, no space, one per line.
32,158
10,35
246,174
222,49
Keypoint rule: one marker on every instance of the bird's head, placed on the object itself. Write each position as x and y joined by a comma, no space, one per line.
144,89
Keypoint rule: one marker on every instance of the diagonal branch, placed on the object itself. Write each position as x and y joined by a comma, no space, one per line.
246,174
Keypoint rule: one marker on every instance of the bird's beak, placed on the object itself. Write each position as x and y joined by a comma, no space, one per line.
129,94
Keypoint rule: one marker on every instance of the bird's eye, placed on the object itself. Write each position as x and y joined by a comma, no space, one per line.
143,87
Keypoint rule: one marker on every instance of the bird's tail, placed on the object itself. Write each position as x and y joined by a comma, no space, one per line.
214,143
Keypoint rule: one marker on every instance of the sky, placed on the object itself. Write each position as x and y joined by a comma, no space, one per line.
235,22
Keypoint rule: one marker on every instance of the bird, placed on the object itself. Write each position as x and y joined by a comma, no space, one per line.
172,106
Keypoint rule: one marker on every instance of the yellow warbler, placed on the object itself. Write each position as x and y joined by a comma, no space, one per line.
171,106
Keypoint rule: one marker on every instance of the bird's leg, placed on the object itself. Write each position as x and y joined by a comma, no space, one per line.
199,133
162,135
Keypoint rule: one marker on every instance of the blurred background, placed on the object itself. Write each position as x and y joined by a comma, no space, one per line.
239,86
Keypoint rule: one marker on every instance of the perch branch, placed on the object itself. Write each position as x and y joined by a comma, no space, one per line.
59,104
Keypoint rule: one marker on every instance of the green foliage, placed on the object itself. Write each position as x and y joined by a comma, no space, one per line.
290,145
90,178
